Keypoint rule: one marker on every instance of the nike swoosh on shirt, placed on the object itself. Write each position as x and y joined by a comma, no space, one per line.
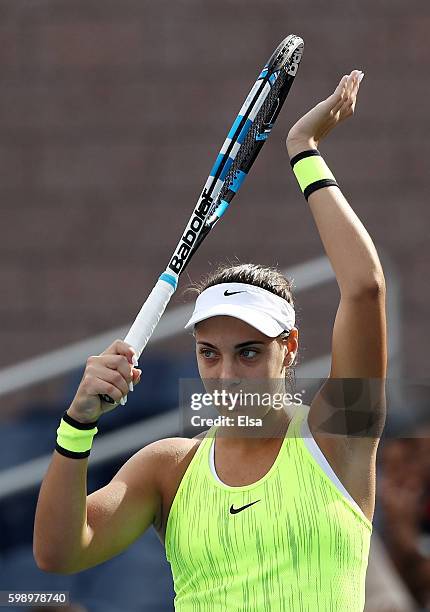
236,510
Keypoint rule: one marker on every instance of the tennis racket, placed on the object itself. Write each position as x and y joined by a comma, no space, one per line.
245,140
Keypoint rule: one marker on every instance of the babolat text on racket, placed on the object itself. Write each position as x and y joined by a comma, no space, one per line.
245,140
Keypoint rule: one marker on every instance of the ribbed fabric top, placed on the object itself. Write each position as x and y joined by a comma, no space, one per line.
299,545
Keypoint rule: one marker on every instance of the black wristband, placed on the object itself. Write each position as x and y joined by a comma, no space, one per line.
303,155
71,454
77,424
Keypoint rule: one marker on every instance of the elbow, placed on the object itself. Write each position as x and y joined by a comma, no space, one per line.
44,565
374,289
42,562
51,567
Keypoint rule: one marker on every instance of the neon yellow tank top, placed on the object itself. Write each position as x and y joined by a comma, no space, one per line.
301,544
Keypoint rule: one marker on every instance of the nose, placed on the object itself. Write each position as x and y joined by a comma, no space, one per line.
228,373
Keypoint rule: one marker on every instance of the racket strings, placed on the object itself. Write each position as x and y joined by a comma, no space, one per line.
252,144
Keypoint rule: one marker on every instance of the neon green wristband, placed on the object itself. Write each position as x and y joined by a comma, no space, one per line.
74,439
312,172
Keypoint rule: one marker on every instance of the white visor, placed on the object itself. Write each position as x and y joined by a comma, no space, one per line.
262,309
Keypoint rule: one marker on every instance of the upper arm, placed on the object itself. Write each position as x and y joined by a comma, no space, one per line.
121,511
352,399
359,343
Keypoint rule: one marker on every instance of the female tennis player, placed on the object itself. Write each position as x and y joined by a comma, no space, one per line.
265,517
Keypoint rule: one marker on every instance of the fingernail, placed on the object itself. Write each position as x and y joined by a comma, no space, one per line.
360,78
134,360
130,386
123,400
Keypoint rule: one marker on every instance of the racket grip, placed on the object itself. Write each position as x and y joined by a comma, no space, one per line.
148,317
150,313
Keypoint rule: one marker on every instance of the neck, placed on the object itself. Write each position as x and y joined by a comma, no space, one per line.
241,438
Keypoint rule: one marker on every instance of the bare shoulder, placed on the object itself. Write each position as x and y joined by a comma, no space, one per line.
172,456
168,449
162,463
167,454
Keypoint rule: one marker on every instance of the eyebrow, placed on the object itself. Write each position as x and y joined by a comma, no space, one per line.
241,345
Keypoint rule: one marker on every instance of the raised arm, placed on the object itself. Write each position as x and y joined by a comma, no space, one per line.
359,342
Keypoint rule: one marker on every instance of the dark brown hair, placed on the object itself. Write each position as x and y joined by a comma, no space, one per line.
266,277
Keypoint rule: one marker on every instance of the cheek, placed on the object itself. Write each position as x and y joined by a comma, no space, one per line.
265,368
200,364
203,365
276,363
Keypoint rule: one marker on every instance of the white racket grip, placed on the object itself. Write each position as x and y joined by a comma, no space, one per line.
149,315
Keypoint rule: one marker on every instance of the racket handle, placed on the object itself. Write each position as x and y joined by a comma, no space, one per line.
148,317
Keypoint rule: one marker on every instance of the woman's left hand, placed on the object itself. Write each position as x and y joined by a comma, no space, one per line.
320,120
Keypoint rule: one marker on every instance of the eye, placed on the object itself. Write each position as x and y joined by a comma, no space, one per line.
249,353
207,353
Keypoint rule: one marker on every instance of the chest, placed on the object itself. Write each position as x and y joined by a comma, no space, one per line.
233,469
278,522
357,476
238,469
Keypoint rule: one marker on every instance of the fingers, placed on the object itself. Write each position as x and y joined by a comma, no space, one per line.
344,96
119,363
119,347
105,387
351,82
111,373
358,81
136,376
340,88
338,103
116,386
351,93
114,370
116,378
347,91
336,99
354,83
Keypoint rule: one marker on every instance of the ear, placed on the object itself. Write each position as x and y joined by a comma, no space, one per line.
291,346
